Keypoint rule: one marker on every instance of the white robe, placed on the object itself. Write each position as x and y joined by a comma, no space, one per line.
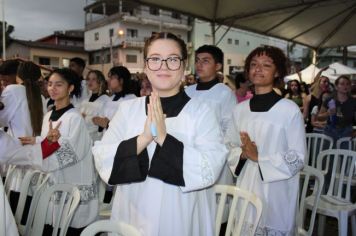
92,109
152,206
72,163
8,225
280,138
16,115
111,106
222,99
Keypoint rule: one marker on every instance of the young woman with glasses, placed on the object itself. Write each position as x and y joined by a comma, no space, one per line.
163,151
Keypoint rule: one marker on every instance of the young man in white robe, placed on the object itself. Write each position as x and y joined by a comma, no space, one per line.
209,60
267,144
163,151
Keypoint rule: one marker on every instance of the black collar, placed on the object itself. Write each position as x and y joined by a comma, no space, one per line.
207,85
56,114
173,105
118,96
93,97
264,102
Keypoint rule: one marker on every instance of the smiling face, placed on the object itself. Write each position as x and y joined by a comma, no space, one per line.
59,89
164,81
262,73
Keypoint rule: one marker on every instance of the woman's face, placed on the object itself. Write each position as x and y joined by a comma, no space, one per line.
115,84
294,87
146,88
324,84
262,71
93,83
164,81
343,86
58,88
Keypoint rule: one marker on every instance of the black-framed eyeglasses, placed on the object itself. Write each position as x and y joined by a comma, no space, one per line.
155,63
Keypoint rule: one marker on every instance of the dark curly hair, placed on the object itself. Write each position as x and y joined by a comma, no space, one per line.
279,60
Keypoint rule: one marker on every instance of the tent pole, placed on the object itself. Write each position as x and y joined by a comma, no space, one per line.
213,31
314,56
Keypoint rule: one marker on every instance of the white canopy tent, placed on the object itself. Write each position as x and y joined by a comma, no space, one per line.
307,75
314,23
336,69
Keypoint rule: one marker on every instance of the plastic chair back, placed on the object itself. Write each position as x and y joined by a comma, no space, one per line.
66,198
315,144
310,173
119,228
243,205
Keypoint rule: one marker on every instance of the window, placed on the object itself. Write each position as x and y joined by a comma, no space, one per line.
176,15
229,61
229,41
154,11
354,64
237,42
131,58
97,59
248,43
132,33
96,36
44,61
108,58
111,32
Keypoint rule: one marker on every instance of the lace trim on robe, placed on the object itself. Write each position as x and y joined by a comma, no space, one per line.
267,231
293,162
207,173
88,192
66,155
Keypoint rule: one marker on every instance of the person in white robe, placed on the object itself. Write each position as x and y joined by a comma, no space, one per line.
22,114
120,85
92,106
267,144
208,62
64,150
163,151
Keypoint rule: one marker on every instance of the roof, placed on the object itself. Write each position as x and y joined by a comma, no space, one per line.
35,44
314,23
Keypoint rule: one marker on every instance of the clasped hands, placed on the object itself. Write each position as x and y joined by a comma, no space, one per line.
53,135
249,148
156,118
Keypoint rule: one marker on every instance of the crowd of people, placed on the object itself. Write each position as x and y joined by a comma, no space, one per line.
166,140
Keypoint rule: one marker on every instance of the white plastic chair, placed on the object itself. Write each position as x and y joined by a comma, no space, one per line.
120,228
317,176
347,142
315,144
67,198
240,202
33,180
105,208
9,175
336,202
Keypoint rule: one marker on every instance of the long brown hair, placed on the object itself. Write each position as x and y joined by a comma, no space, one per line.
29,73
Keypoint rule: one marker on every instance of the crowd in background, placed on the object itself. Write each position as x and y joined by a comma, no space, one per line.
172,134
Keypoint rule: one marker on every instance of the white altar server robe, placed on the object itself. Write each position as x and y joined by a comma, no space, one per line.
154,207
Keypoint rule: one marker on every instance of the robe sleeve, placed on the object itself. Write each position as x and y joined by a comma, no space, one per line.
105,150
74,145
233,143
129,167
229,102
12,152
11,105
167,162
204,157
284,165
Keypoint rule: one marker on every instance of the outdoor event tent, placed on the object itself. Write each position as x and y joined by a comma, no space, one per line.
307,75
315,23
336,69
